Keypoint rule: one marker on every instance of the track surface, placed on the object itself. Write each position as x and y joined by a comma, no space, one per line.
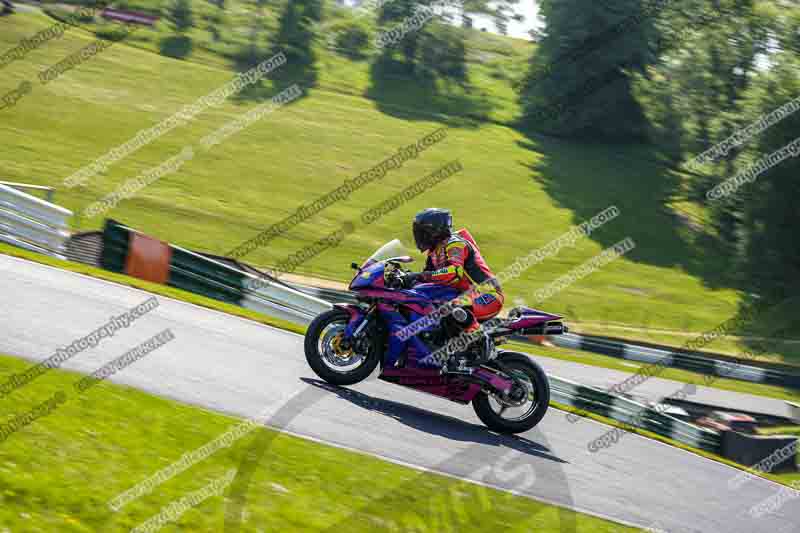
655,389
240,367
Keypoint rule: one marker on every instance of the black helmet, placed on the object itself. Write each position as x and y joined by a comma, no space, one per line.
431,226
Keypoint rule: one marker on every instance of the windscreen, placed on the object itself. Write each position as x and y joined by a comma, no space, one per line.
389,250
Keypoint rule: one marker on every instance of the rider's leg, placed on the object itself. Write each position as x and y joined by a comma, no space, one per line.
487,305
484,307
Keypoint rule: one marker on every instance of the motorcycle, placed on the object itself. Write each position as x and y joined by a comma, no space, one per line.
508,390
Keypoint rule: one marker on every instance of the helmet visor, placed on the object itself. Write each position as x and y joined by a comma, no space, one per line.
422,236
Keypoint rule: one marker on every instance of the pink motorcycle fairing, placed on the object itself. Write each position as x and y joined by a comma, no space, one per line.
369,283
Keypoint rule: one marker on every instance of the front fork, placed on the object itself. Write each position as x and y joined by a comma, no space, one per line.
357,318
358,322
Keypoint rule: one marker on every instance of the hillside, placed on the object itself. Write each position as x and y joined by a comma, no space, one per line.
531,189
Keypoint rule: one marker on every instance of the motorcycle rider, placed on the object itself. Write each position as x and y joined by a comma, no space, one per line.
455,260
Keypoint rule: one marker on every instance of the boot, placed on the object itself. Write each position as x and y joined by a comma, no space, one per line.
483,349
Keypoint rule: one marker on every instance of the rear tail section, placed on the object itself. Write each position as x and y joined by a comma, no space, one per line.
528,321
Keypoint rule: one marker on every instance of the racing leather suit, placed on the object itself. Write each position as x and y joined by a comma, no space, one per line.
457,262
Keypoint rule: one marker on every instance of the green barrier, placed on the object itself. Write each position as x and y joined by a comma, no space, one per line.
194,273
187,271
116,240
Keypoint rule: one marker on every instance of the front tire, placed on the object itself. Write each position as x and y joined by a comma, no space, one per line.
490,408
327,360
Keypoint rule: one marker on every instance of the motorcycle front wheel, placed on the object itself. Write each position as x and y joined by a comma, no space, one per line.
329,356
525,405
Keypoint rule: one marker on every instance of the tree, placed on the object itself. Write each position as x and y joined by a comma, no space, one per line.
502,13
180,15
535,35
763,213
436,50
502,26
580,76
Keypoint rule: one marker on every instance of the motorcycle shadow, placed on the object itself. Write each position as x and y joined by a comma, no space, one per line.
436,423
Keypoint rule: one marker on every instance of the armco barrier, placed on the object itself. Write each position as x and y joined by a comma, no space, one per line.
196,273
329,295
33,223
794,412
701,364
628,411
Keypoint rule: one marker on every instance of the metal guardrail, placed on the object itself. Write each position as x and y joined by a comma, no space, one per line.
33,223
725,368
211,277
329,295
634,413
268,297
50,191
794,412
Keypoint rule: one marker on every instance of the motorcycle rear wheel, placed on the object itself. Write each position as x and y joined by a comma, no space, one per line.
326,359
490,408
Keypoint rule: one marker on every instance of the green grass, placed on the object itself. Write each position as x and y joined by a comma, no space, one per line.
59,473
783,430
496,63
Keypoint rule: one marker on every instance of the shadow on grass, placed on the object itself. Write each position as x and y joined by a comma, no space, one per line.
399,94
588,177
176,46
282,77
767,321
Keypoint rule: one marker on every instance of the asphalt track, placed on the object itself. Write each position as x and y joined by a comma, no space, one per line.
239,367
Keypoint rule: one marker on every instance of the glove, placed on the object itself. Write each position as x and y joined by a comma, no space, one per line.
411,279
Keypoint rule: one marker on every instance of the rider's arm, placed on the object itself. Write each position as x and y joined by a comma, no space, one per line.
453,271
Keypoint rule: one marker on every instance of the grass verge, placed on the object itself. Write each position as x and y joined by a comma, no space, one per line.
59,473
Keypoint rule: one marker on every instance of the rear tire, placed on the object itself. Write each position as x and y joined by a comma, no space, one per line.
315,358
533,373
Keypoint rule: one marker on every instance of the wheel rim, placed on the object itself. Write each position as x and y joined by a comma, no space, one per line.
333,354
522,401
